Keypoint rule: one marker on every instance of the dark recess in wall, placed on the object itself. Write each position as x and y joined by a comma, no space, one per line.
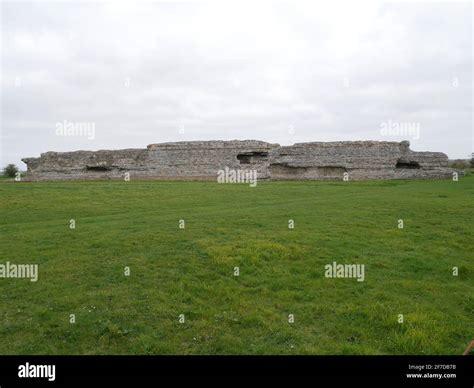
252,157
407,164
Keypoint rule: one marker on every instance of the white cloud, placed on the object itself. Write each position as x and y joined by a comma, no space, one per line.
234,70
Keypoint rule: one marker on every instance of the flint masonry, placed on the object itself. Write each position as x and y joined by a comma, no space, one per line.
202,160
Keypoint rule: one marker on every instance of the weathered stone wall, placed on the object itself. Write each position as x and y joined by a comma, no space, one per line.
203,160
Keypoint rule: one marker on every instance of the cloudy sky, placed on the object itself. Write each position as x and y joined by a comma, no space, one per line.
135,73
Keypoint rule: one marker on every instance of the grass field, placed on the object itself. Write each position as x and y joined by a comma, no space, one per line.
190,271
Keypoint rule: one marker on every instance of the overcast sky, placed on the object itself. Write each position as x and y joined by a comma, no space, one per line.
279,72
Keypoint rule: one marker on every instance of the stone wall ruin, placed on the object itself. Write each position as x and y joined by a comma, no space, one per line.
203,159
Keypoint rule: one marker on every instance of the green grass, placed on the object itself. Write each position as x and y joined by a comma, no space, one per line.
190,271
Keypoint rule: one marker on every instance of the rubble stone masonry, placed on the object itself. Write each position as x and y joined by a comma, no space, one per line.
203,159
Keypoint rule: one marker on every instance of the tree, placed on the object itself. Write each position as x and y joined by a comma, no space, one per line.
10,170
